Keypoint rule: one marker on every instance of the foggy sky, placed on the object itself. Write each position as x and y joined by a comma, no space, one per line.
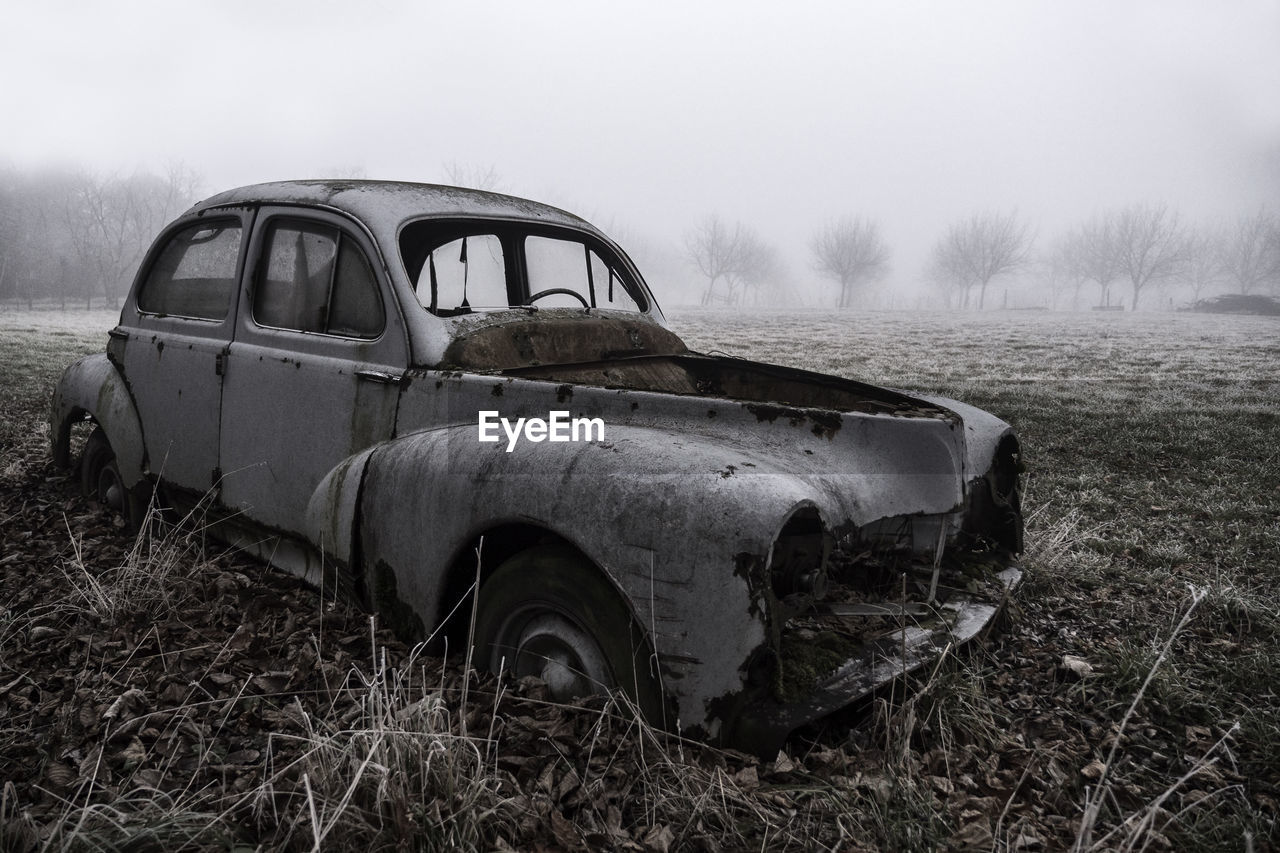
644,117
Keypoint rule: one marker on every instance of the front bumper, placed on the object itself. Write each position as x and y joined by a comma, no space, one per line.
923,636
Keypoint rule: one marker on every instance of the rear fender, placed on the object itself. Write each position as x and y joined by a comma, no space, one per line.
93,387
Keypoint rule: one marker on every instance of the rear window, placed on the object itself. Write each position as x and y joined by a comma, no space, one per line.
195,273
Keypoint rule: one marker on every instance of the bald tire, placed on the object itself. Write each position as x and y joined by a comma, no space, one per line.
100,480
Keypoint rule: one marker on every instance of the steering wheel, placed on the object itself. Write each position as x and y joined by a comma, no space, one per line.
551,291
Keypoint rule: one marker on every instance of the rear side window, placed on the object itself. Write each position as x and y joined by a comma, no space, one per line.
195,273
316,279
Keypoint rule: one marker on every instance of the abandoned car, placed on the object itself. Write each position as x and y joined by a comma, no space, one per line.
403,390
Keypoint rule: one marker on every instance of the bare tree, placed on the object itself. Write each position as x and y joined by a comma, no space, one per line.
112,220
975,251
851,251
719,253
1150,245
473,176
1250,250
352,171
10,232
34,244
1063,271
1091,253
1202,266
758,267
1273,248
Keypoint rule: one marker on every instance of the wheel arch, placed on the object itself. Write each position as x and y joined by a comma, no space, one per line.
556,582
495,545
93,389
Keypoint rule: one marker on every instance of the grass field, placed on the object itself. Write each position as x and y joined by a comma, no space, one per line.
165,694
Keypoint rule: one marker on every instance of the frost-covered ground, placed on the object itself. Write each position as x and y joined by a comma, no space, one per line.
71,322
924,349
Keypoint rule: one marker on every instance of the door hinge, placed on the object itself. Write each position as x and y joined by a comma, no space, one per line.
220,364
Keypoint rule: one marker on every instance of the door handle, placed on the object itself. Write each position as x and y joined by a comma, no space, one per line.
379,376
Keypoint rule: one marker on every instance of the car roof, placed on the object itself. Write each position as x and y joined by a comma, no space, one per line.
385,205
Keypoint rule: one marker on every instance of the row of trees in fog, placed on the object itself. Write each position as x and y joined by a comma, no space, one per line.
1144,246
76,238
1116,257
737,264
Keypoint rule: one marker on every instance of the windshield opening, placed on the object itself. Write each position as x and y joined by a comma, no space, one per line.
465,268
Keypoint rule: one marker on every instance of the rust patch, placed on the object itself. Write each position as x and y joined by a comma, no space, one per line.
497,390
825,424
522,340
750,567
564,393
764,412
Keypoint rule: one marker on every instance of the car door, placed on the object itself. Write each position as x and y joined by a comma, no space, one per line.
312,375
176,328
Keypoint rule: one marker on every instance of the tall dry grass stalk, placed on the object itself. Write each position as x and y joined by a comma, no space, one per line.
149,578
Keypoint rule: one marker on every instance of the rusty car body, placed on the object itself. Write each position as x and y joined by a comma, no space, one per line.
745,549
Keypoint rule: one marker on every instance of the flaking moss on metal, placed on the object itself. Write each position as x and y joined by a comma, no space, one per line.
803,663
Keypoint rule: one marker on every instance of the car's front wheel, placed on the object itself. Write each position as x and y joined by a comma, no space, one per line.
551,614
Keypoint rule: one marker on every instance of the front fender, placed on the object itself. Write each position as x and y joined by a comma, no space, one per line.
993,464
983,433
93,386
682,525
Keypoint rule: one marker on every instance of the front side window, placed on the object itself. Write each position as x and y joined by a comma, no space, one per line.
314,278
195,273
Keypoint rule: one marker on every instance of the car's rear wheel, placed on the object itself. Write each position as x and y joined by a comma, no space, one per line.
100,480
549,613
